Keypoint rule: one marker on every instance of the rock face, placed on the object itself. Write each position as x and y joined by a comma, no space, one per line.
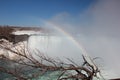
20,38
15,38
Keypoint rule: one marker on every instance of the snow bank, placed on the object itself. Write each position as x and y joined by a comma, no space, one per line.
30,32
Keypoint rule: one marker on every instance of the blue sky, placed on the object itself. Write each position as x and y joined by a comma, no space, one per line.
28,12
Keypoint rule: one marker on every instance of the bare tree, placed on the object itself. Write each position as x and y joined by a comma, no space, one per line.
22,68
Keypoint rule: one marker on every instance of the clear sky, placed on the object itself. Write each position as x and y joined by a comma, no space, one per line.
26,12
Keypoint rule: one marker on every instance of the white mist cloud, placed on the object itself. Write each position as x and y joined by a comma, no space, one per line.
98,29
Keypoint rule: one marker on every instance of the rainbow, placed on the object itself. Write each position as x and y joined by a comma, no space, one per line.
73,40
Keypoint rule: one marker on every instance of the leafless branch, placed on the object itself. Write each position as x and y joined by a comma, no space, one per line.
45,64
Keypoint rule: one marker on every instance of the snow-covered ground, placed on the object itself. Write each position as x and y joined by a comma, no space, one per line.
28,32
19,47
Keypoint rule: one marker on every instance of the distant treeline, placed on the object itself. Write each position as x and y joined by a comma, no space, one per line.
21,27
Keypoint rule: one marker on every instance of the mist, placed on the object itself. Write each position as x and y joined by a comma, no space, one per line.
97,29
